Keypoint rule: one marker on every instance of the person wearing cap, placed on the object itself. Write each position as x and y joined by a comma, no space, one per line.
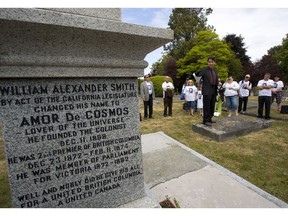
277,91
244,91
209,77
148,95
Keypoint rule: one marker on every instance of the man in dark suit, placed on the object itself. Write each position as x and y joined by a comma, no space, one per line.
209,78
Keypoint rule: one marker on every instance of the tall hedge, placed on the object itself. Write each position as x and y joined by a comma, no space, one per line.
157,82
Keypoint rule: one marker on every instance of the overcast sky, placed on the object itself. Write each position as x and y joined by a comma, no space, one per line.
261,28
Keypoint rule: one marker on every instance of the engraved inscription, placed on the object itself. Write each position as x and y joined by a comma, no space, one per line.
72,143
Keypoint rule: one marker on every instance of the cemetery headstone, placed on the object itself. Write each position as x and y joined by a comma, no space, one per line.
69,106
228,128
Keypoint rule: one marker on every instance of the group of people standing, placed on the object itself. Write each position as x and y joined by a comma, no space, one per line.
236,94
147,93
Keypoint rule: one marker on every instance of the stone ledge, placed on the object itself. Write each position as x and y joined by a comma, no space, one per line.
105,13
58,18
228,128
148,201
67,45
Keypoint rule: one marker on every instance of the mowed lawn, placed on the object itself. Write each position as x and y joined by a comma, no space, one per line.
259,157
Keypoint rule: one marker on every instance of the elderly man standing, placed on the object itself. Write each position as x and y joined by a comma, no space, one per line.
148,95
265,94
167,96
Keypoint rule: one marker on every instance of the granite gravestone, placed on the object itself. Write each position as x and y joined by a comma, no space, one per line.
69,106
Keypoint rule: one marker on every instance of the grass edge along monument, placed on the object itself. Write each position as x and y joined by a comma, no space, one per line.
69,106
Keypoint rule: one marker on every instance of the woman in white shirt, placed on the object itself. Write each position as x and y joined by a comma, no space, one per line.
231,95
191,96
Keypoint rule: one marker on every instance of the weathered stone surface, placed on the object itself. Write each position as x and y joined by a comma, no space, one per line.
105,13
69,106
72,143
167,169
58,44
231,127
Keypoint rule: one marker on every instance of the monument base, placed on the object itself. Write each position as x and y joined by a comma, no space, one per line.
148,201
231,127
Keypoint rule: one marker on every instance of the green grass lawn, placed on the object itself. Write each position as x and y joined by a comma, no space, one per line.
259,157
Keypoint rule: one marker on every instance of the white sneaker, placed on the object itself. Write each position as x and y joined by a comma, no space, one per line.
230,115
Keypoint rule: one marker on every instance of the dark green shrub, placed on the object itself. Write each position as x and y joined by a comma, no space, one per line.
157,82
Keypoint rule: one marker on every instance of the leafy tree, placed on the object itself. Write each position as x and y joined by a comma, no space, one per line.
157,68
235,68
166,66
282,58
208,44
274,50
169,66
186,22
267,64
237,46
247,69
